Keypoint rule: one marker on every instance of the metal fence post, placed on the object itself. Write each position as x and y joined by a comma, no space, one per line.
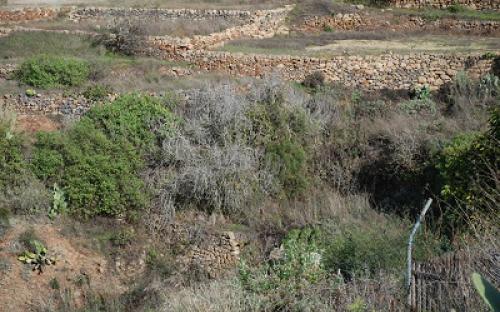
410,247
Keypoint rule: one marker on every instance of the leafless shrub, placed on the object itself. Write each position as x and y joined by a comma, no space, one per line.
314,80
212,162
127,37
30,198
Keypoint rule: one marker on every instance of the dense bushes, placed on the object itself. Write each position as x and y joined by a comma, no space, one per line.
98,160
283,130
98,175
469,167
46,71
96,92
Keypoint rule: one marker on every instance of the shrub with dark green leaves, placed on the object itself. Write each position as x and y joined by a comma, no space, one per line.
316,79
46,71
290,160
97,92
143,121
20,191
99,176
97,162
469,167
365,250
284,132
495,67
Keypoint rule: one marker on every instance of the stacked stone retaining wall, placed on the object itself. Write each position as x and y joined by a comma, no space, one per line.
389,71
27,14
357,22
474,4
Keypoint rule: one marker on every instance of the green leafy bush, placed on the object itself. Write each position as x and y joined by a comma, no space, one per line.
99,176
469,167
284,133
372,244
495,67
299,267
97,162
20,191
365,250
97,92
46,71
290,159
456,8
142,121
12,164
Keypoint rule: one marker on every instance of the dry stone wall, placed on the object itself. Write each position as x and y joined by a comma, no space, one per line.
214,257
46,104
405,23
370,73
262,24
161,14
474,4
389,71
27,14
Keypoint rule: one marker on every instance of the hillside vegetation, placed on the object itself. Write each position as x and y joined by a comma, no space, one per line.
140,175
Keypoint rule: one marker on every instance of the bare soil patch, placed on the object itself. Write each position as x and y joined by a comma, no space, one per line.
24,290
35,123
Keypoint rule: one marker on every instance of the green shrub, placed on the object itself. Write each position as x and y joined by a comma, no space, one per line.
283,281
469,167
327,28
290,159
374,3
99,176
97,92
122,238
495,67
97,162
316,79
142,121
45,71
416,106
12,164
357,250
373,244
456,8
284,132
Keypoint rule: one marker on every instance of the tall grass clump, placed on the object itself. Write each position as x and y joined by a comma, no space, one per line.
48,71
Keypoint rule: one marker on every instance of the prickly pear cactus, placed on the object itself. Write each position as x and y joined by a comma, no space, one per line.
487,291
38,259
